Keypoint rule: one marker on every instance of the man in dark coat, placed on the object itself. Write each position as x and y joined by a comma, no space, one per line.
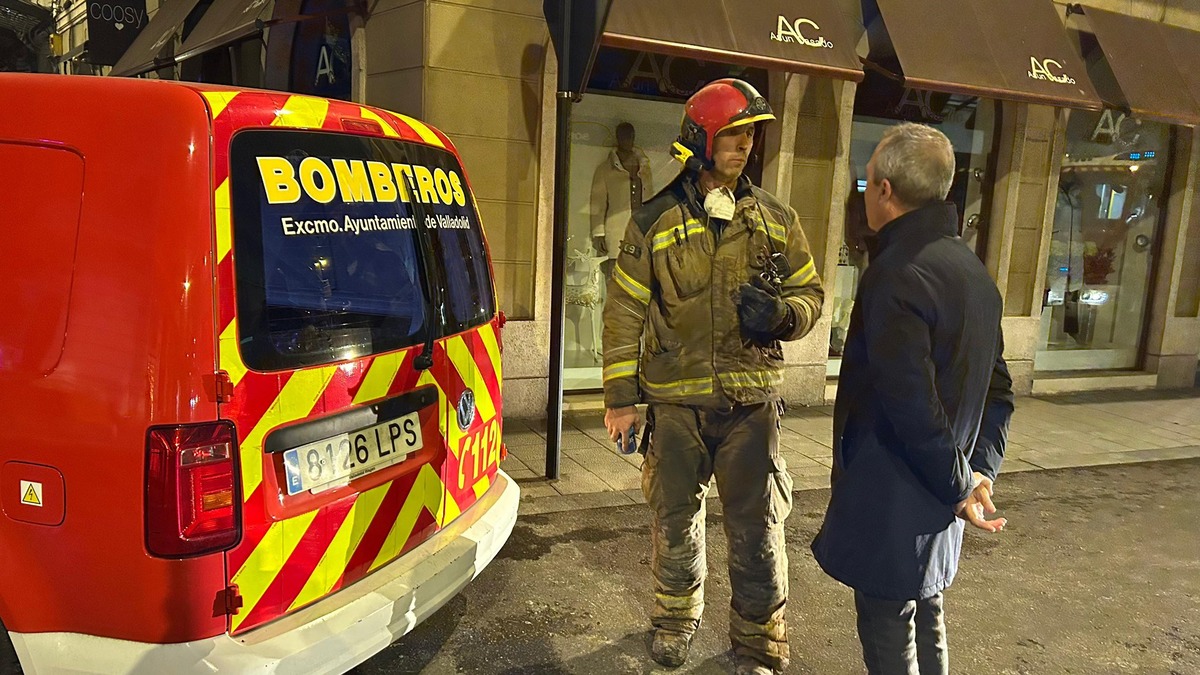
923,405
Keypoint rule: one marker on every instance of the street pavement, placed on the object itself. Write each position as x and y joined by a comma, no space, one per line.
1098,572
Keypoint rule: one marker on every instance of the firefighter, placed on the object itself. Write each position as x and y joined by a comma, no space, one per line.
712,274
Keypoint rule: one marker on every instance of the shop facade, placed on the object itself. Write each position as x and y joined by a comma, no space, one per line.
302,46
645,68
1027,130
1077,164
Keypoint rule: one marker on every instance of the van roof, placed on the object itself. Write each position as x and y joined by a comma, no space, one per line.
235,107
259,107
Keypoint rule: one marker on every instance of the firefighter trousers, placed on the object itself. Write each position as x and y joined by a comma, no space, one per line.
740,446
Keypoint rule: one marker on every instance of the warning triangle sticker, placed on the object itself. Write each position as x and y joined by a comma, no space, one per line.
31,497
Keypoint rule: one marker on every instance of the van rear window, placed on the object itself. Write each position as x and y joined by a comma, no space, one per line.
343,245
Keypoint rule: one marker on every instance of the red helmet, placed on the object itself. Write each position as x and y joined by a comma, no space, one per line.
718,106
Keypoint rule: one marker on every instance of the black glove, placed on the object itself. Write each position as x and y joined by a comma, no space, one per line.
761,310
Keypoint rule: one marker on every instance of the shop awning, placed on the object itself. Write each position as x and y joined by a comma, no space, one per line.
1184,45
142,55
226,22
25,19
1154,66
810,37
1016,50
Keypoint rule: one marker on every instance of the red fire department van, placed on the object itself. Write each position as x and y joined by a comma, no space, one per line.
250,373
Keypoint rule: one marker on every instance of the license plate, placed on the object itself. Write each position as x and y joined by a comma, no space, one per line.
336,460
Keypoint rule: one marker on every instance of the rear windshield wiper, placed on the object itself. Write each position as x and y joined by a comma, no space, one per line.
424,360
432,292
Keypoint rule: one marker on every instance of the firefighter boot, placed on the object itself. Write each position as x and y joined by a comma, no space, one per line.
670,648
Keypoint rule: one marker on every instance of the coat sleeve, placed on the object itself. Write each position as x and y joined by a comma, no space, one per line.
993,429
897,318
802,289
624,318
599,202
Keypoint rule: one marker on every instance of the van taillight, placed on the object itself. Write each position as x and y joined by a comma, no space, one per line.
193,503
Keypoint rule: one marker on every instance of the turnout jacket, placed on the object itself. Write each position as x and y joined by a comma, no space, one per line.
671,327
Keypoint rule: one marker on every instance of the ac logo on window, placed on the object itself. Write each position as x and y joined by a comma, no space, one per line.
1116,128
922,101
1041,70
791,31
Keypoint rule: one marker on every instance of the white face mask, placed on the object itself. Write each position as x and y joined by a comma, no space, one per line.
719,203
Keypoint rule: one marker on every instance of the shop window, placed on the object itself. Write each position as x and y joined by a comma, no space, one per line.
311,56
1111,195
321,51
621,135
969,122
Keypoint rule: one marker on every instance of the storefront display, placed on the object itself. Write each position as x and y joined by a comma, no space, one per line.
1106,218
621,135
619,186
601,202
970,124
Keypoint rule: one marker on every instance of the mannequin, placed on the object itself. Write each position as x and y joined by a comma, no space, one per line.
619,185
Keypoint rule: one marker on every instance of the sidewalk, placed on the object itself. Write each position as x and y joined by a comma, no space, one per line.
1047,432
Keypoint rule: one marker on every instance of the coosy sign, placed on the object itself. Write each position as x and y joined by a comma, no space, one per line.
112,26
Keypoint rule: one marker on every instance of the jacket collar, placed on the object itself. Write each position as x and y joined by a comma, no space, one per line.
928,222
615,159
743,187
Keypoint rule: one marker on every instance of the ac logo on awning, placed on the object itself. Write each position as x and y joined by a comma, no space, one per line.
1040,70
791,31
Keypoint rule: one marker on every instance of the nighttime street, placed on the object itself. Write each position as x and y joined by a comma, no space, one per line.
405,336
1097,572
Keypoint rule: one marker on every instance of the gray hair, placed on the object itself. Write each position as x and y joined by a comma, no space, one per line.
918,161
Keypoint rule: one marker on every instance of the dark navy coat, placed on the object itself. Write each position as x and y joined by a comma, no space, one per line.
924,399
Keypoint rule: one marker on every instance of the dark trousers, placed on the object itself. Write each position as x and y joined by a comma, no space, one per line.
741,448
902,638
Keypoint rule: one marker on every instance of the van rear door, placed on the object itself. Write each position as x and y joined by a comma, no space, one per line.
343,422
470,370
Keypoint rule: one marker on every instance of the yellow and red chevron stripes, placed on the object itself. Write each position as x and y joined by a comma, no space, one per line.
297,550
285,563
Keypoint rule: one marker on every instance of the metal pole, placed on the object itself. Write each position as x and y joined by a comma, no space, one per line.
562,166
